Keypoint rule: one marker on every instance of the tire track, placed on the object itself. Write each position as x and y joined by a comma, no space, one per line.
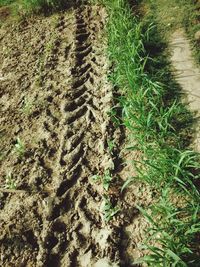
76,203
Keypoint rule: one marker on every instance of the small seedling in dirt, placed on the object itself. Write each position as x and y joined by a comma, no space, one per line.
128,182
19,148
55,20
109,211
27,107
111,145
113,115
107,178
9,181
95,178
49,47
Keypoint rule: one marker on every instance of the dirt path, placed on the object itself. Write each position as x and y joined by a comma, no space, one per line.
187,75
55,97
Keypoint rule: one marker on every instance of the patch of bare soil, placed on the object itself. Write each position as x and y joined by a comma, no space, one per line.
136,227
55,99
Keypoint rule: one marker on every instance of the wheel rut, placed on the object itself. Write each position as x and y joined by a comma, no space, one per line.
77,202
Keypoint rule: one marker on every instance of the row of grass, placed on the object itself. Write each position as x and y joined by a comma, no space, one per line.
154,119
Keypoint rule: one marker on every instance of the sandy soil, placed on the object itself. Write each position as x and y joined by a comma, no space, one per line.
187,75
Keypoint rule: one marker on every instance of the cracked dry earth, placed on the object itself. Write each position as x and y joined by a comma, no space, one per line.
56,98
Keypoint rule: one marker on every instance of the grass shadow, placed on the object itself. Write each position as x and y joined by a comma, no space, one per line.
159,68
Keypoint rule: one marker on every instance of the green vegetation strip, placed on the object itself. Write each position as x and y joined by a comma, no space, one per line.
165,163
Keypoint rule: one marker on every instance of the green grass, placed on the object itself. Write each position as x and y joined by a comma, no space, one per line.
156,120
9,181
105,179
19,148
108,210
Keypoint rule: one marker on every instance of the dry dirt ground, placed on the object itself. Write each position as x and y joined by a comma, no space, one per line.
187,75
55,98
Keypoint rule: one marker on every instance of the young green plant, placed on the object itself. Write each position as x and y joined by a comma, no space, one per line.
19,148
